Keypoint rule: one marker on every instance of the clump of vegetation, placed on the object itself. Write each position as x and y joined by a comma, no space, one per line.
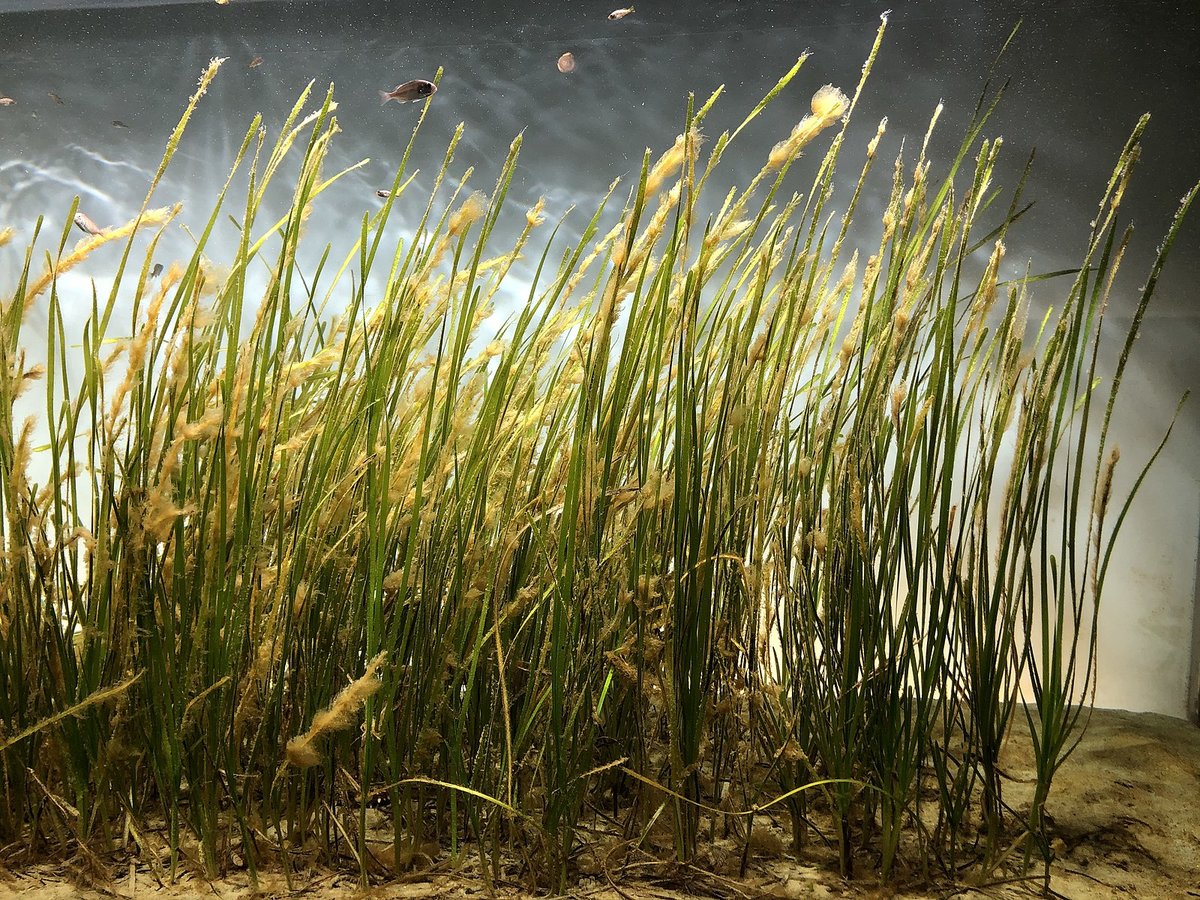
721,530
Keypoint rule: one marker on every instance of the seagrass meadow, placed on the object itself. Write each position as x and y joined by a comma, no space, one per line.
731,530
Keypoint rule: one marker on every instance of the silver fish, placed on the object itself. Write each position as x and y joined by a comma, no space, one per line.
417,89
87,225
619,13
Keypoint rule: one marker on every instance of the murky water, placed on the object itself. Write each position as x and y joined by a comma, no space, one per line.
1080,76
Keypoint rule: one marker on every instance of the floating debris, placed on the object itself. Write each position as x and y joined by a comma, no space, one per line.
255,63
117,123
566,63
7,101
87,225
416,89
619,13
53,96
157,270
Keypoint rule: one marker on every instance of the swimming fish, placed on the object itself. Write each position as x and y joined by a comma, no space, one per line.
7,101
53,96
157,270
619,13
255,63
87,225
383,195
417,89
117,123
566,63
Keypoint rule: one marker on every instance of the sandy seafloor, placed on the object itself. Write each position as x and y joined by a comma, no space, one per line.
1125,807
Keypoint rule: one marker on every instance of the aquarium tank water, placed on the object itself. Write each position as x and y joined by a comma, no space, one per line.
497,401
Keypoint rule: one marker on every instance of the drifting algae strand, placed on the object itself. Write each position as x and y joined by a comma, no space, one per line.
338,715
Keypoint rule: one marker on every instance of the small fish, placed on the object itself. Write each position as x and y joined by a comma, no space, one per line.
7,101
255,63
619,13
157,270
383,195
417,89
87,225
53,96
117,123
566,63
